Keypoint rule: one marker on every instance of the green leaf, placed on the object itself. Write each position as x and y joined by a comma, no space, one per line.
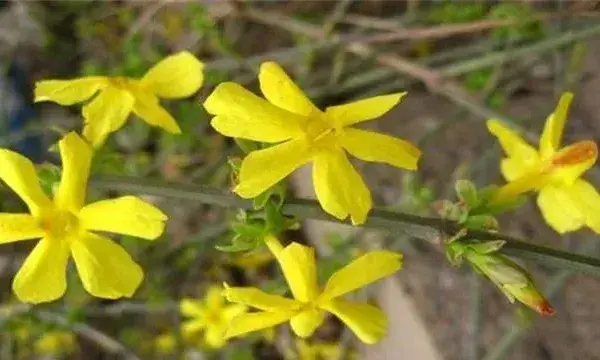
454,253
249,230
481,222
466,192
261,200
238,244
487,247
275,220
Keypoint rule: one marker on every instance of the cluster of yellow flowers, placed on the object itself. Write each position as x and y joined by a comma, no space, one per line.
300,133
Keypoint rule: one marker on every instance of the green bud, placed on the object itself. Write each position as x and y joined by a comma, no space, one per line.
510,278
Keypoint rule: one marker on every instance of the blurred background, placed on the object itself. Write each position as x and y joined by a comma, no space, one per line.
462,63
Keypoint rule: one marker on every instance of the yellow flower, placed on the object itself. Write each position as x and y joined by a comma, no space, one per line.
55,342
302,134
307,310
566,201
177,76
65,227
211,315
317,351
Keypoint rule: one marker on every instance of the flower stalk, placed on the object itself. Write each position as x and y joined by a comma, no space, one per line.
423,228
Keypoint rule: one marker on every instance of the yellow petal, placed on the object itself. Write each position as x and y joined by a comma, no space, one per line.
76,157
280,90
514,146
305,323
389,150
20,175
241,114
366,321
363,110
42,277
513,168
214,298
214,337
559,209
298,265
16,227
105,268
147,107
260,300
361,272
69,92
339,187
232,311
570,162
177,76
247,323
588,199
106,113
264,168
555,124
191,308
128,215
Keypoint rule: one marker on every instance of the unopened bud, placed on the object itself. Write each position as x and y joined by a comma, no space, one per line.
512,279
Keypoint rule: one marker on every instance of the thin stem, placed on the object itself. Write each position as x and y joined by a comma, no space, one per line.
433,230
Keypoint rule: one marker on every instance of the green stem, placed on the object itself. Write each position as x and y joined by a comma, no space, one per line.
433,230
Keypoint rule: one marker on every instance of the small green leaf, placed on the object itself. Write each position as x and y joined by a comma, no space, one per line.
459,235
238,244
487,247
481,222
454,253
261,200
249,230
466,192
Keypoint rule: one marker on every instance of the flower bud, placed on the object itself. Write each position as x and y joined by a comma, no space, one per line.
512,279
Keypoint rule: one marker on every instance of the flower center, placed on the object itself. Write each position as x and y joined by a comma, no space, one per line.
59,224
121,82
319,131
213,318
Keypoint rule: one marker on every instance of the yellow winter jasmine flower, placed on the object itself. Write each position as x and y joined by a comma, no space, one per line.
307,310
177,76
66,226
302,133
210,315
566,201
